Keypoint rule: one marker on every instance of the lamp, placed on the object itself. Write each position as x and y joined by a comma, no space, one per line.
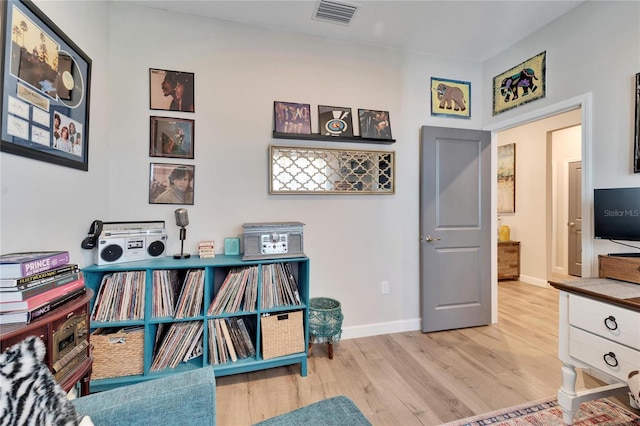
182,220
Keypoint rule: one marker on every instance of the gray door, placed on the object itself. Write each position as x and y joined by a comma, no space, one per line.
575,218
455,228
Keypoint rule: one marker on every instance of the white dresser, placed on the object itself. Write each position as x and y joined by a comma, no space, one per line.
599,329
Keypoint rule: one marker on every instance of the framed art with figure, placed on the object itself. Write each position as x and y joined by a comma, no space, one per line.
374,124
171,90
171,137
171,183
290,117
45,80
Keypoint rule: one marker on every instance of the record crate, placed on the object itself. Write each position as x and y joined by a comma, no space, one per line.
117,354
282,334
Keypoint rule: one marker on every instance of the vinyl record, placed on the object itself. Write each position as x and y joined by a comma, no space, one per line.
335,121
70,84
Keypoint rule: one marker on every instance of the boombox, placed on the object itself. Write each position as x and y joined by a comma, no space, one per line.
130,241
273,240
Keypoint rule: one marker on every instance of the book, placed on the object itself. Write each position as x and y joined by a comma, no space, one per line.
7,284
42,298
19,265
58,281
27,316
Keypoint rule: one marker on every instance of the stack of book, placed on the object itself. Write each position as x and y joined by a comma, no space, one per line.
33,284
206,249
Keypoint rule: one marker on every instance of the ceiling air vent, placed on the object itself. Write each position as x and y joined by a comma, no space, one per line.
334,11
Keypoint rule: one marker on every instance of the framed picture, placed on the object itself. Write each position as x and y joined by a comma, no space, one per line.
521,84
636,150
171,183
450,98
335,121
171,90
507,178
45,89
171,137
374,124
290,117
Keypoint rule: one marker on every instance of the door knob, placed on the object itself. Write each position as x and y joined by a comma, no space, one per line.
571,224
430,239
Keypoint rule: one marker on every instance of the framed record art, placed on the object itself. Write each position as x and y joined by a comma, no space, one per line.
335,121
171,183
374,124
171,137
45,89
289,117
171,90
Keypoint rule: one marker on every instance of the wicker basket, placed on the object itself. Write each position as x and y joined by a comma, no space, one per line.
117,354
282,334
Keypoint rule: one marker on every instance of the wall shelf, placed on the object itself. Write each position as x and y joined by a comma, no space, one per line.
323,138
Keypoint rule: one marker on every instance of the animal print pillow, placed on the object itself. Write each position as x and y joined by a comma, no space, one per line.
29,395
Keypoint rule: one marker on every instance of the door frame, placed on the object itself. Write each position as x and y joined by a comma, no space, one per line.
585,103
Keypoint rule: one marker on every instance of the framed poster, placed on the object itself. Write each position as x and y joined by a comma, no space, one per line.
450,98
171,183
171,90
335,121
374,124
289,117
521,84
45,89
507,178
636,149
171,137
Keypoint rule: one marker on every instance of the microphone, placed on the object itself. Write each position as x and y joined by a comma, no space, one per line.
182,217
182,220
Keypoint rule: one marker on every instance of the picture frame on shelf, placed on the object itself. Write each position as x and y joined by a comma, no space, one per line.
450,98
290,117
171,90
171,183
335,121
46,81
171,137
507,178
374,124
521,84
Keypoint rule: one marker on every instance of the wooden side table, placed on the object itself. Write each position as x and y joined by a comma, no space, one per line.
508,260
74,365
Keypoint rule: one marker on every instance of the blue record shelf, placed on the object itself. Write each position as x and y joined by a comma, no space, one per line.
215,272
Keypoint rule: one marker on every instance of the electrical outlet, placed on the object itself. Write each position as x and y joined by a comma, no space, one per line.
384,287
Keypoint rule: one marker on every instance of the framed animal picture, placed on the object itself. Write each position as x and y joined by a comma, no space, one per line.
521,84
450,98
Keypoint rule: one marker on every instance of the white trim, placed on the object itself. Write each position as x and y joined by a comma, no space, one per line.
585,102
356,331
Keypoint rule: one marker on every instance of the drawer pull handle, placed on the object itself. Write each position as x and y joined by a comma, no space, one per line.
611,320
612,356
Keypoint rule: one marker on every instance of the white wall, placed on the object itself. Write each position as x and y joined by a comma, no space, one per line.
593,49
354,242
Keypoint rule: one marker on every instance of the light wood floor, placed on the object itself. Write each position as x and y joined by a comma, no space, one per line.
414,378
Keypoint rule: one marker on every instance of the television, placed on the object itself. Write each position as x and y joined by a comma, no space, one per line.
616,213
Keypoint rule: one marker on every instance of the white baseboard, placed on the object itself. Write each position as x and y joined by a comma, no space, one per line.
534,281
356,331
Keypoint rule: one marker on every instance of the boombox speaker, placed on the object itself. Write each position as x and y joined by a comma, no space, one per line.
130,241
275,240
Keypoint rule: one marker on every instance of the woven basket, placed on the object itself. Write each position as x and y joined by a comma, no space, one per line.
325,319
117,354
282,334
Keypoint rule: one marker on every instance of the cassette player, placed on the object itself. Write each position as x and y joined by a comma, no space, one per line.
121,242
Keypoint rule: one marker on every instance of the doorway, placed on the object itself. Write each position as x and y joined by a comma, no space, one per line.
540,251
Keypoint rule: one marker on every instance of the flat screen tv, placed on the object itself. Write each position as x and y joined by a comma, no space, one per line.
616,213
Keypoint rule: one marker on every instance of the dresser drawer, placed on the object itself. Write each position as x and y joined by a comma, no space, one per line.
609,321
605,355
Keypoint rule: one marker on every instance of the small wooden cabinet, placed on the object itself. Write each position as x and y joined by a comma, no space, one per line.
508,260
71,360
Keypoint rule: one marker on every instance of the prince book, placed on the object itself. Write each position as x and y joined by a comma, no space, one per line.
18,265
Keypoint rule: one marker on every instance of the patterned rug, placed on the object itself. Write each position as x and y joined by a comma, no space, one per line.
547,412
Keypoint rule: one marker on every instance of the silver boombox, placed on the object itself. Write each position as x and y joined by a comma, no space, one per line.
121,242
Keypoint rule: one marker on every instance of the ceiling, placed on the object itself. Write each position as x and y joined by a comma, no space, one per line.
468,30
